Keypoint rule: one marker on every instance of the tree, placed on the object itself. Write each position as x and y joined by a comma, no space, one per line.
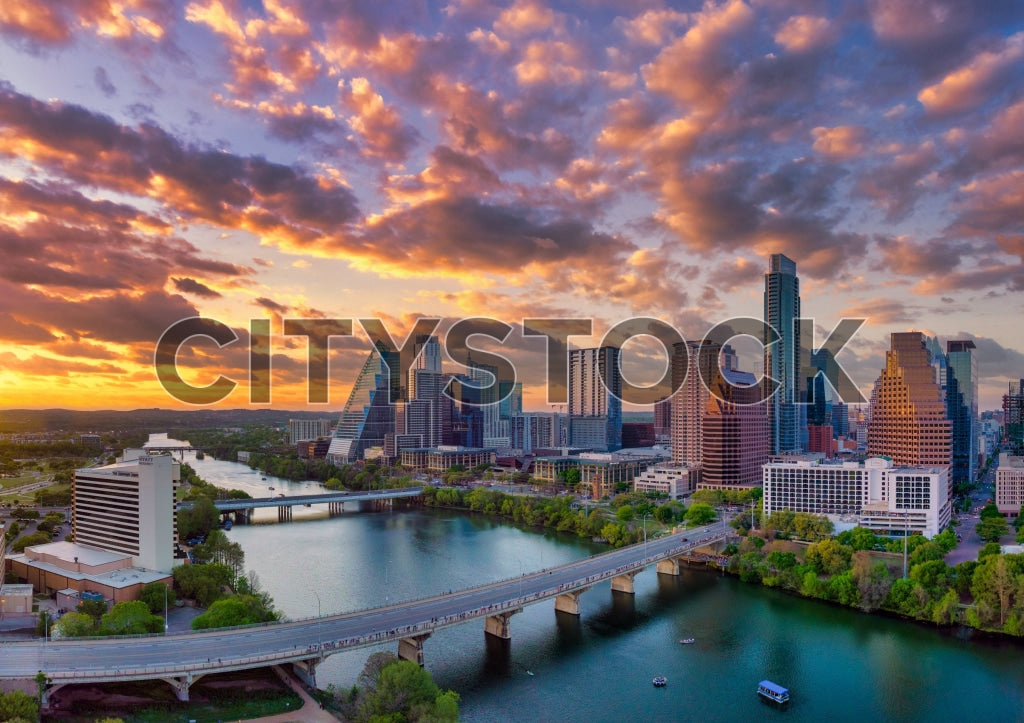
18,706
218,548
700,514
130,618
199,520
625,513
156,595
93,608
991,528
828,557
74,625
405,691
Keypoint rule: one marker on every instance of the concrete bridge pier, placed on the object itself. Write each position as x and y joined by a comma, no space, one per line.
181,684
335,508
569,602
305,670
624,583
669,566
411,648
284,513
497,625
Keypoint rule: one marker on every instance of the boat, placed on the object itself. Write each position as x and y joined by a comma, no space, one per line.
773,691
529,672
265,478
226,525
269,488
687,641
660,681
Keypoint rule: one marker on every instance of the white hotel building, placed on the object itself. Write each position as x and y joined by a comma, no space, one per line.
871,494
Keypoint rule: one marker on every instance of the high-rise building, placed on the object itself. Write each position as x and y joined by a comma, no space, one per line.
368,415
1013,417
663,418
735,432
782,359
301,429
908,415
428,358
485,376
1010,484
962,408
128,508
595,398
689,404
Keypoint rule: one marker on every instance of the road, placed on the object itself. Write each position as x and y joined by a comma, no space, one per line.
254,646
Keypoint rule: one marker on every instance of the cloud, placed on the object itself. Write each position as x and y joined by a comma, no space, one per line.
16,332
880,311
840,143
969,85
380,126
653,27
103,82
805,34
285,204
191,286
56,24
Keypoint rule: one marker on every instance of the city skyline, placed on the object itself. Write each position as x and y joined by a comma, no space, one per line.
602,160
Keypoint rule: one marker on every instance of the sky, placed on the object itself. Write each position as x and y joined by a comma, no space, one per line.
601,159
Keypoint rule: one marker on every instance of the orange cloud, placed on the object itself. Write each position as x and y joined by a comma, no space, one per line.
839,143
805,33
968,86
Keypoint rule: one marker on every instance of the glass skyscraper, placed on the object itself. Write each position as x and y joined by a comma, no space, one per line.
962,407
786,415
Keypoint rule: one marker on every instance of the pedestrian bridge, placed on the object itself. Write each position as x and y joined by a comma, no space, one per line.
183,658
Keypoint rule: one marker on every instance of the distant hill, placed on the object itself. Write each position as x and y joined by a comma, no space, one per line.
145,420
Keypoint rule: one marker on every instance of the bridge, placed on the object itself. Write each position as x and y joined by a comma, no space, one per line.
242,508
181,659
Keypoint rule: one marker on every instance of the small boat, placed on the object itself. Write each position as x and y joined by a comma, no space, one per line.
660,681
687,641
529,672
269,488
265,478
773,691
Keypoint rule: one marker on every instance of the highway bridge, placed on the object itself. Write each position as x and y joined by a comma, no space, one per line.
181,659
241,509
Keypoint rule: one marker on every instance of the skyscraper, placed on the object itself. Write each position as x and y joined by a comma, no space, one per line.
782,359
962,407
689,404
908,415
368,415
1013,417
734,432
595,398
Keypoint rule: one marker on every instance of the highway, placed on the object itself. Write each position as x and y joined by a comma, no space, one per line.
230,505
195,653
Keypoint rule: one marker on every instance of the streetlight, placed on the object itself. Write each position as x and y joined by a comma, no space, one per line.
166,622
318,636
645,535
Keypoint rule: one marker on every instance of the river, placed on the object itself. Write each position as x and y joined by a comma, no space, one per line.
839,664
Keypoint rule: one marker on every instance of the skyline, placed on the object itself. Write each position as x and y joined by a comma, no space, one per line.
593,159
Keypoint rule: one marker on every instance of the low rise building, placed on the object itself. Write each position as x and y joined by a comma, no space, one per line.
1010,484
675,480
438,459
872,494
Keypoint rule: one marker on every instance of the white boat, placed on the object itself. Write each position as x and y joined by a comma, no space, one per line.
660,681
687,641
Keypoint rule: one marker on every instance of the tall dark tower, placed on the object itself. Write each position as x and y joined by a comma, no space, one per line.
786,416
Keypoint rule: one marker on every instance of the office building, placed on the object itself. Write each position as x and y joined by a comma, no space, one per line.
874,494
962,408
674,480
1013,417
908,415
736,433
595,399
690,369
368,415
782,358
1010,484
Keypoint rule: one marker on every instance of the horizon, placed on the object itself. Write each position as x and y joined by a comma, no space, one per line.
278,160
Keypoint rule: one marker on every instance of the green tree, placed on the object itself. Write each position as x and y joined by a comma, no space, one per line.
947,610
199,520
625,513
130,618
75,625
18,706
991,548
700,514
218,548
93,608
828,557
991,528
157,595
403,691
